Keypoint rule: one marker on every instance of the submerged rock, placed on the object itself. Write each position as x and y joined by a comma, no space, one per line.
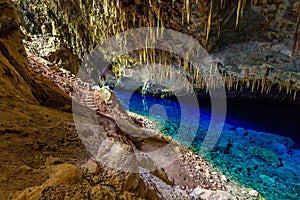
269,156
268,180
241,131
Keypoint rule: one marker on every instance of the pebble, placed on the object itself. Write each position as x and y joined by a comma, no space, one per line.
253,193
96,179
224,179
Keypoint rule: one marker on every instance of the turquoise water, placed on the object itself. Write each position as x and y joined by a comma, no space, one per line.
267,162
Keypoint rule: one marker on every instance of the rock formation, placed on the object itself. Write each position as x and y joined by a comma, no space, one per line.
266,31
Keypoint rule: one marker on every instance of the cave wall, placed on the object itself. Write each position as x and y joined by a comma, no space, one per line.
15,80
18,81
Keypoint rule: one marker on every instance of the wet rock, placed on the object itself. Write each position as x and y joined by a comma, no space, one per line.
200,193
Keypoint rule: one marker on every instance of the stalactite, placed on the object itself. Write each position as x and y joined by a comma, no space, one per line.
264,79
166,70
258,84
248,81
288,84
160,59
182,17
187,6
230,81
269,88
144,55
280,88
171,72
238,12
253,85
186,63
236,85
158,22
209,21
179,62
296,33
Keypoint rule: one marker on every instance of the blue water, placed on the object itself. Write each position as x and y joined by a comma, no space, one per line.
188,124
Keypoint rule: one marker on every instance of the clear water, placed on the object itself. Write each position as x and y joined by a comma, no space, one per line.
233,152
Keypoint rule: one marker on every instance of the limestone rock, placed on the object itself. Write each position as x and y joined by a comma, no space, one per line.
253,193
103,94
103,192
90,166
199,193
119,157
64,174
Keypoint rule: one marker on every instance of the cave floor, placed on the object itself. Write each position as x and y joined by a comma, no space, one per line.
29,135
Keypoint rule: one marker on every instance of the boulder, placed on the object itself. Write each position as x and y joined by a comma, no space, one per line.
121,163
90,167
64,174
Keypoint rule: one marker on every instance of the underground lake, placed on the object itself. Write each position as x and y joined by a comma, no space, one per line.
258,146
